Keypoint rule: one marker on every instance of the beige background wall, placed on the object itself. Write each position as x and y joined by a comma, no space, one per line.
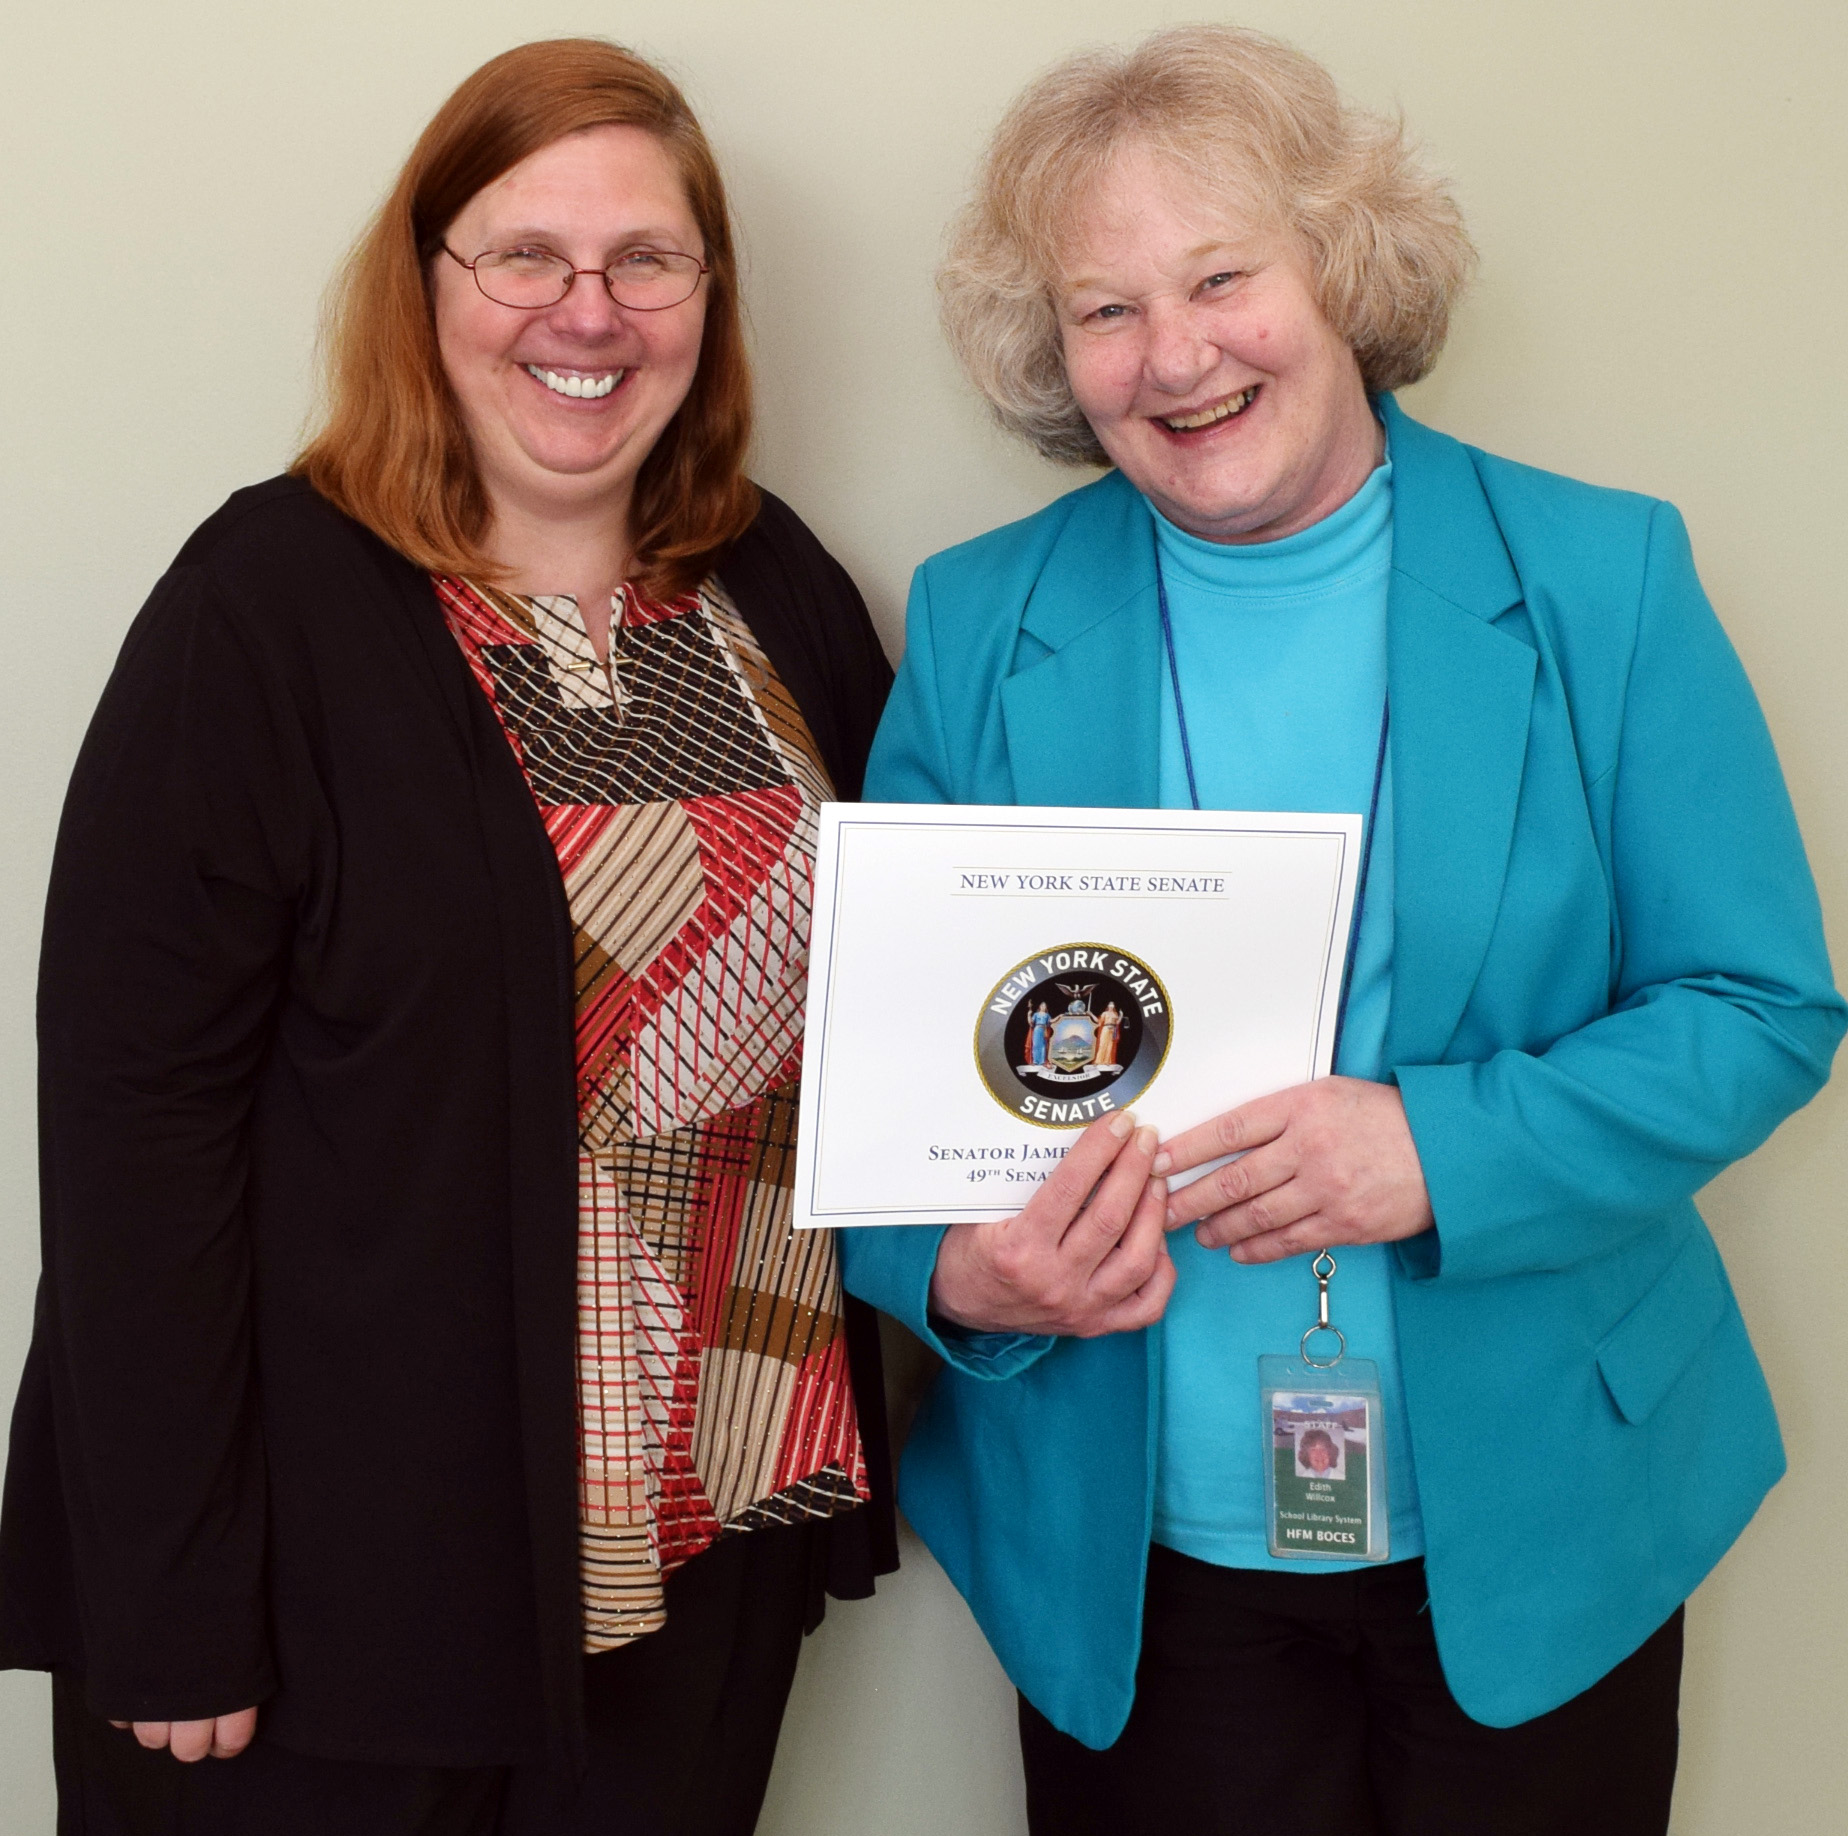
1659,189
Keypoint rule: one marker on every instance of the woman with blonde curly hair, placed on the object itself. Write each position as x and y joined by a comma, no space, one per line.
433,1423
1588,972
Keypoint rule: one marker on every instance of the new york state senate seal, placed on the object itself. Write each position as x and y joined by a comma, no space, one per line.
1072,1033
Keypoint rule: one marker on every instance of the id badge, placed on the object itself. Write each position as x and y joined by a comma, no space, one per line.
1325,1460
1324,1440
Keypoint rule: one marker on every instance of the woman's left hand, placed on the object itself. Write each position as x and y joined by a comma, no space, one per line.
1323,1164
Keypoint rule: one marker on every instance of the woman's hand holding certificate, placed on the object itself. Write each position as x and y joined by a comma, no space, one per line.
1319,1165
1088,1255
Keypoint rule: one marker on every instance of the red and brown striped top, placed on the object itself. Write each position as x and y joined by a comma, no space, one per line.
680,787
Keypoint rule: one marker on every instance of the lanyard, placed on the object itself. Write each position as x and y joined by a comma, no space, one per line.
1373,801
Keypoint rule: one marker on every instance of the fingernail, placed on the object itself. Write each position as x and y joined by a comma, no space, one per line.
1122,1122
1162,1163
1146,1139
1173,1218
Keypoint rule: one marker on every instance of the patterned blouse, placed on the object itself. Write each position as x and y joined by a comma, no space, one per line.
679,788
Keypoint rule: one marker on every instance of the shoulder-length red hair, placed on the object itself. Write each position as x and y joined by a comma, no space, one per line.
392,450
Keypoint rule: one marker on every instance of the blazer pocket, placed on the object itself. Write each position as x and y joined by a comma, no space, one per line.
1647,1350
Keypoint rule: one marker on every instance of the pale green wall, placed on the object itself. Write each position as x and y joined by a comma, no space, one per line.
1658,188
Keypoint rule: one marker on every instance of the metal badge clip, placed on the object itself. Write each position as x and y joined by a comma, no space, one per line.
1323,1276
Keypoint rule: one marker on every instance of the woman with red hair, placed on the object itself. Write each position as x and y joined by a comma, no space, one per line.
431,1413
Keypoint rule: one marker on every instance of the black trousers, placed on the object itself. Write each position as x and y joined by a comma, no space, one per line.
682,1724
1312,1705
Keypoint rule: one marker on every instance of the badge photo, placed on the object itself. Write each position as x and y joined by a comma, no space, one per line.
1072,1033
1321,1450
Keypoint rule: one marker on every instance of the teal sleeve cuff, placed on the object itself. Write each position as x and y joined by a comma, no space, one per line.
991,1355
1421,1257
890,1266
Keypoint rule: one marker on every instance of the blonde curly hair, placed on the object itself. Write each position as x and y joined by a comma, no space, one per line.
1248,118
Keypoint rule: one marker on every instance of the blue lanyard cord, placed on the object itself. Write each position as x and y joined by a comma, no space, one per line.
1373,801
1174,679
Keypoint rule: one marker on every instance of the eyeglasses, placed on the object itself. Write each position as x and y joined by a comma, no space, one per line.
643,280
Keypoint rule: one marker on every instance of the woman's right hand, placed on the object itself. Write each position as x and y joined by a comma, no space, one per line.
221,1737
1087,1256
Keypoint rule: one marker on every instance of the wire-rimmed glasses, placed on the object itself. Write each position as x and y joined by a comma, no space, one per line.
643,280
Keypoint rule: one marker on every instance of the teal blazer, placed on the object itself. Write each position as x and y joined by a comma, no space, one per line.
1609,981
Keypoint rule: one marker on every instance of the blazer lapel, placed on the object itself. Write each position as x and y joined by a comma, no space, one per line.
1083,723
1462,693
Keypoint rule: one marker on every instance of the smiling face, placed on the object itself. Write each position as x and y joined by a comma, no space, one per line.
563,404
1318,1453
1196,349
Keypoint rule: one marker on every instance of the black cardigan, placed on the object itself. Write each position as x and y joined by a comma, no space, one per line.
298,1422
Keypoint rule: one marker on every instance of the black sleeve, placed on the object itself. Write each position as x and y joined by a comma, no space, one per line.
172,905
808,615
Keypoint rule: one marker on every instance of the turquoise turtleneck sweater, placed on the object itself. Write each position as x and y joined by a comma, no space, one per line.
1281,648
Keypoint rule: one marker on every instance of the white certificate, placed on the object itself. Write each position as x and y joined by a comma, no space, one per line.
985,981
